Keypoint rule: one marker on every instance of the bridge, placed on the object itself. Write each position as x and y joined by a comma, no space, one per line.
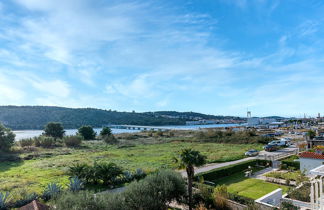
139,127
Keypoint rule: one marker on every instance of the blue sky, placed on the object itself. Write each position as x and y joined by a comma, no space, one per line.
211,56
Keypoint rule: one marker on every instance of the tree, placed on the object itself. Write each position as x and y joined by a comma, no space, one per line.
108,172
87,132
106,131
311,134
188,159
7,138
54,129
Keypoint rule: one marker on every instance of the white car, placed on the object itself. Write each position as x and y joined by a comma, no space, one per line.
252,152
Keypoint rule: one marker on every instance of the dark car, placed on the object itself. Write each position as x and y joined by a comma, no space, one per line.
271,148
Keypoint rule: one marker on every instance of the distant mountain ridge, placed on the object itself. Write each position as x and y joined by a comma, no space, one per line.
35,117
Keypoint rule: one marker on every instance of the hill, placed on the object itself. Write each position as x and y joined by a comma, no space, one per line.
35,117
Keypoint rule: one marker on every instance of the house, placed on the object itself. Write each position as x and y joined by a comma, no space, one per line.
35,205
310,160
316,141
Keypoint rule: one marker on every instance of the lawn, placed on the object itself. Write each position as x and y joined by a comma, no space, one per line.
51,165
248,187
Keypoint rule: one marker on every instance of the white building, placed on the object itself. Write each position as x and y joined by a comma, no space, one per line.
253,121
310,160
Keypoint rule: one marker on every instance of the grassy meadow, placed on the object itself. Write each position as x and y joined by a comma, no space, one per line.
40,166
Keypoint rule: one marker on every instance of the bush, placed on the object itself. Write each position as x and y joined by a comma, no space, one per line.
75,184
229,170
301,194
288,206
26,142
239,137
51,191
3,200
105,131
220,197
153,192
241,199
7,138
110,139
82,200
87,132
72,141
285,164
54,129
44,141
108,173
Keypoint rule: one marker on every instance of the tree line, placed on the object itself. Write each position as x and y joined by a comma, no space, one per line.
35,117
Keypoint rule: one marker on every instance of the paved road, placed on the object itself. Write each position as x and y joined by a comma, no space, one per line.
212,166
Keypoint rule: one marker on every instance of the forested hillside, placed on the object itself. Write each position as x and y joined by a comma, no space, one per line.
35,117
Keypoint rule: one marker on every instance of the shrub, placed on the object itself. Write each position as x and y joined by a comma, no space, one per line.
75,184
3,200
241,199
288,206
44,141
155,191
54,129
220,197
81,200
229,170
72,141
7,138
110,139
139,174
51,191
87,132
239,137
105,131
108,173
290,163
26,142
301,194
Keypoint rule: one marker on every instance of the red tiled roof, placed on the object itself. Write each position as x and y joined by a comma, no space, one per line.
311,155
34,205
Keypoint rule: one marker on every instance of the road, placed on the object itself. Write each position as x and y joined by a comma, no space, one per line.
212,166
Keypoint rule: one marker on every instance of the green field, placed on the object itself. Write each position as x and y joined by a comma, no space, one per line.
51,165
249,187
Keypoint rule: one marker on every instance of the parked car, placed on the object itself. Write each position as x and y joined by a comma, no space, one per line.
252,152
275,142
271,147
281,143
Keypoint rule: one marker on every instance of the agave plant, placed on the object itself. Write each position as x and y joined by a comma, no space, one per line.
51,191
139,174
75,184
128,176
3,200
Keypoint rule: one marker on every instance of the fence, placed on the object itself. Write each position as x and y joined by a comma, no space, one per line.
276,156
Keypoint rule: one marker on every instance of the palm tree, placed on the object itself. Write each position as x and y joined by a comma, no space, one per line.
188,159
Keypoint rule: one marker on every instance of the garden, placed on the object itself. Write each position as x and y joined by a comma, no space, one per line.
237,183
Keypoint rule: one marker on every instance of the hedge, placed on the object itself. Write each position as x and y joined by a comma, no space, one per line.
230,170
240,199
